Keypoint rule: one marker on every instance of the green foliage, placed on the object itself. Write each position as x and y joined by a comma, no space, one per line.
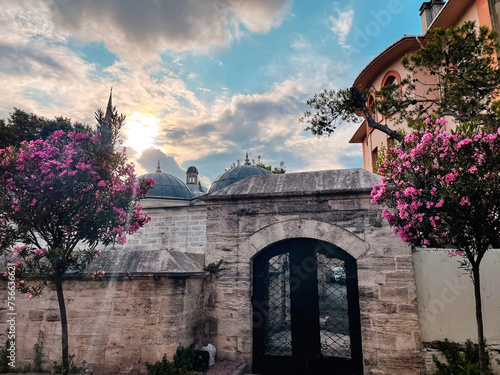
215,268
183,360
182,364
39,357
460,358
330,109
460,79
461,62
275,170
73,369
109,125
62,197
23,126
469,128
163,367
4,356
383,155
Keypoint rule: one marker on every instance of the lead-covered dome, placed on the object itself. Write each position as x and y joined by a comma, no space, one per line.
167,186
236,174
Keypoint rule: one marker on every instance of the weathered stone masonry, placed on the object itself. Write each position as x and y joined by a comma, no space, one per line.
246,217
158,296
115,325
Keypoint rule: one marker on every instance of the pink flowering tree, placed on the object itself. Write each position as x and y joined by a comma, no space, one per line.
443,190
59,199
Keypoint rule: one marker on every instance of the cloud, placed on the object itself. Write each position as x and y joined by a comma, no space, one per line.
22,60
141,29
147,163
265,124
192,132
36,62
300,43
341,25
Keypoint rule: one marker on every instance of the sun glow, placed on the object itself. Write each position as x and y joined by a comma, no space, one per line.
141,130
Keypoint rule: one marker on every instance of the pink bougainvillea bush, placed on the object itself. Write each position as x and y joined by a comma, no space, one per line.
443,189
60,198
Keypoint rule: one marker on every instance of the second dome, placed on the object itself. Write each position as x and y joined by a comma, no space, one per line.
236,174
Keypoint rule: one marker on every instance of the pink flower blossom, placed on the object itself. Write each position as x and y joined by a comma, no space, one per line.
464,201
122,240
449,177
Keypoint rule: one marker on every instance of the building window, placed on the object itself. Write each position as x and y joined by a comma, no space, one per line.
390,81
371,99
374,158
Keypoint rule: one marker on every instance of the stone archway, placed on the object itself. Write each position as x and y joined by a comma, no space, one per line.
306,318
301,228
240,225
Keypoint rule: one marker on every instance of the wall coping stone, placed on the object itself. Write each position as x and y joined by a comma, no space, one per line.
342,181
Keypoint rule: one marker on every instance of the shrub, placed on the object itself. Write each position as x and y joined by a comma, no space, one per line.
182,364
460,358
39,358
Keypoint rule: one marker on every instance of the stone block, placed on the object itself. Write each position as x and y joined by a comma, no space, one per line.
394,294
404,263
399,277
36,315
52,316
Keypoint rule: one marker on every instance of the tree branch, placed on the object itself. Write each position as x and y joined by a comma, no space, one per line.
360,103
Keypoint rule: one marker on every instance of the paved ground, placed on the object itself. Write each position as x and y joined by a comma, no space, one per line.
227,368
220,368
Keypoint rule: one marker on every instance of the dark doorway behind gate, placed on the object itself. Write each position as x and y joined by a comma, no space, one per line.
306,317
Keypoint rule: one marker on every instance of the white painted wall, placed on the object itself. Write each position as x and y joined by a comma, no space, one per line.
446,297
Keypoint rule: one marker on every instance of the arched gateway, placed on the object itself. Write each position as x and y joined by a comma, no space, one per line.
306,316
297,248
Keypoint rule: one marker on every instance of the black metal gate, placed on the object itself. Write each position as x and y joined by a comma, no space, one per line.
306,317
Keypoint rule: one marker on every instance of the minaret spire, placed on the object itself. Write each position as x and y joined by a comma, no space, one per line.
158,170
109,108
247,162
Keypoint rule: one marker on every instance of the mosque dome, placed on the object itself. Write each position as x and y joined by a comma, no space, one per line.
192,169
167,186
236,174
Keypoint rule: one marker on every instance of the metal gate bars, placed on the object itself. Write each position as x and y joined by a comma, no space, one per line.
305,310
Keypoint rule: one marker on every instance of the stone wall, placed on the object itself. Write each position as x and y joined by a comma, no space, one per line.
240,225
177,228
114,325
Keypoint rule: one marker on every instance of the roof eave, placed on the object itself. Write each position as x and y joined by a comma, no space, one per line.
360,134
449,13
405,44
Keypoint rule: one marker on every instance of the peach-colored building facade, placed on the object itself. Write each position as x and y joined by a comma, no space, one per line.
386,68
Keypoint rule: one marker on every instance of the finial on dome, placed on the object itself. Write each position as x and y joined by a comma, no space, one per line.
247,162
158,170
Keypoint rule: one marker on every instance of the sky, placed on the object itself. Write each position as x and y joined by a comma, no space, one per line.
201,82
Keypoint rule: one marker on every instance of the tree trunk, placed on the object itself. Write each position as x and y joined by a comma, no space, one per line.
360,103
483,356
64,324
